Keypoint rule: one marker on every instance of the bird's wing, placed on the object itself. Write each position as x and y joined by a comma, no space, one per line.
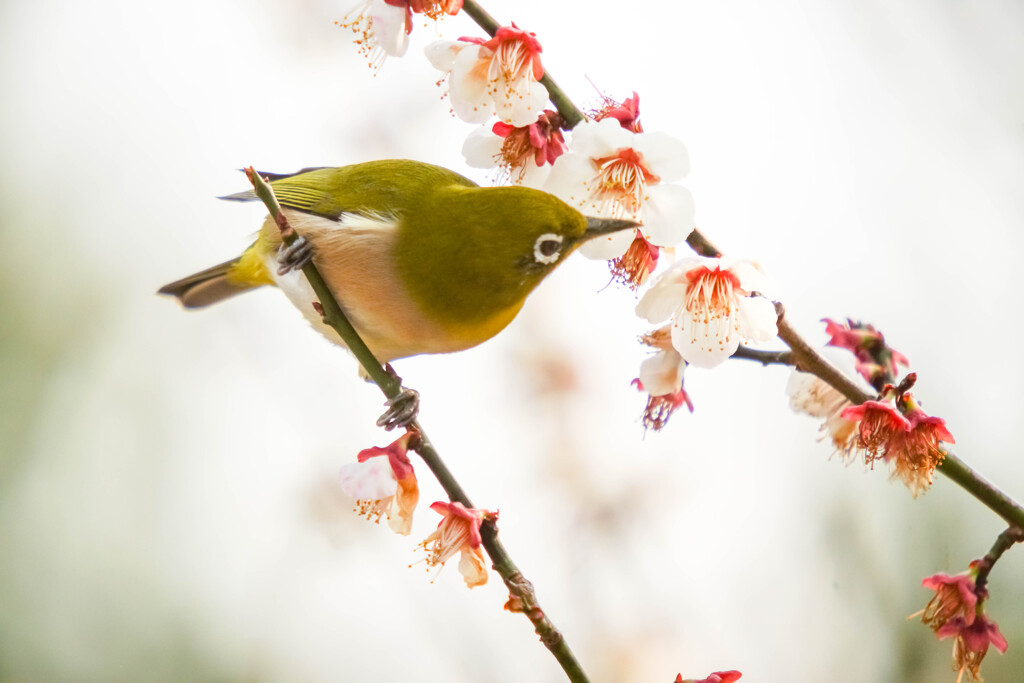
374,188
308,190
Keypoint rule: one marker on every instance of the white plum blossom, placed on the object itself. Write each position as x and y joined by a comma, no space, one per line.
714,304
498,76
611,172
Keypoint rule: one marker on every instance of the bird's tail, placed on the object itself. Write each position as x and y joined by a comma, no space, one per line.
220,282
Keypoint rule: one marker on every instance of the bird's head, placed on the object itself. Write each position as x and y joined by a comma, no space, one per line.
493,246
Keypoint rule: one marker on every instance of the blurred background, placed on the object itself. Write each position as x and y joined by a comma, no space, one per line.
168,500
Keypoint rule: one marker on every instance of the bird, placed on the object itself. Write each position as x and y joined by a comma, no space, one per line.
421,259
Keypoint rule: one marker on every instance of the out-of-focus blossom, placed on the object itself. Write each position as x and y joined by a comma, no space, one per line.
610,172
812,396
497,76
523,155
383,483
458,532
876,362
714,305
717,677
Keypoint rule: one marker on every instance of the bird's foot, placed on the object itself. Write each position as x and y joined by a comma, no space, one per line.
402,409
294,256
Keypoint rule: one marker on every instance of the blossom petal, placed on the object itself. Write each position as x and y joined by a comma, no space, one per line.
599,139
758,319
667,215
569,175
482,149
389,28
442,53
521,101
663,155
607,247
661,301
467,88
662,373
705,341
370,480
472,567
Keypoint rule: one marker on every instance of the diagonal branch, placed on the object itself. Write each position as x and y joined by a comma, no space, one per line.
523,597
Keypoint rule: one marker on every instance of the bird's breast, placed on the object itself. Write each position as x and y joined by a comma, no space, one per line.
356,259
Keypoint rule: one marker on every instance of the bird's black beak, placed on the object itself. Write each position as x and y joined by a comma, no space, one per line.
605,226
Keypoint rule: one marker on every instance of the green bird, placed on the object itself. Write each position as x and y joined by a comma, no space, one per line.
422,259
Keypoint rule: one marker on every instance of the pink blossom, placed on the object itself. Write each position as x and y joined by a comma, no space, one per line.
627,113
458,532
972,640
955,597
384,484
523,154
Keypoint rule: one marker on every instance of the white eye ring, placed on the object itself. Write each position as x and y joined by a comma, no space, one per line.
539,254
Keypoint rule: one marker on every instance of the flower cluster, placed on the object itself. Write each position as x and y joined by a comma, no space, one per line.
383,483
957,611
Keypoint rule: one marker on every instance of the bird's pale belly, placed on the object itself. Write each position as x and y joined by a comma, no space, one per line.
377,303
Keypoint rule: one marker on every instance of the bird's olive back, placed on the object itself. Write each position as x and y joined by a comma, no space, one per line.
472,252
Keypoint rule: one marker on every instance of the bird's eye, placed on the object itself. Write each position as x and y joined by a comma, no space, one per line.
547,248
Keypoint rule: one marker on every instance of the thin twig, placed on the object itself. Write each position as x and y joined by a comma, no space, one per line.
764,357
524,598
1004,542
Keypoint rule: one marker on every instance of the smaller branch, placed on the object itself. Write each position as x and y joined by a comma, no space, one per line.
702,245
1004,542
334,316
809,360
765,357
